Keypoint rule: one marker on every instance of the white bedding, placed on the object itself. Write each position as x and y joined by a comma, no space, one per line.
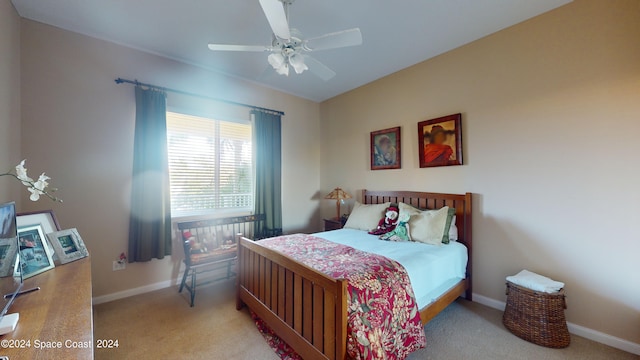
432,269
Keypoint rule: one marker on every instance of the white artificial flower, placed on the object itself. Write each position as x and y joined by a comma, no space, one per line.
42,182
35,194
36,188
21,172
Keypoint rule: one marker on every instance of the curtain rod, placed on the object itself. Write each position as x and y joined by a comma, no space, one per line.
138,83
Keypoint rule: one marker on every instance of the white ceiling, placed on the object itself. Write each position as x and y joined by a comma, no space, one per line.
396,34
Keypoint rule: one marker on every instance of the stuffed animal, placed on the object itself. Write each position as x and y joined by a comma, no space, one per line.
195,246
388,223
401,232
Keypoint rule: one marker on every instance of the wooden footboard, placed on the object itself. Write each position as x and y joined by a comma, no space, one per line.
306,308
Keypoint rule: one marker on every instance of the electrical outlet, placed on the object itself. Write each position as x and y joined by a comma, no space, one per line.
119,265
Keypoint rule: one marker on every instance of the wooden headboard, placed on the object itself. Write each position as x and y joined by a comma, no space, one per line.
434,201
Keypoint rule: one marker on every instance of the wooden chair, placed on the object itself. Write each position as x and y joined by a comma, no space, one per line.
200,261
209,246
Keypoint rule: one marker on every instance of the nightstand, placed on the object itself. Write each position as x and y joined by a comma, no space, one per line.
332,224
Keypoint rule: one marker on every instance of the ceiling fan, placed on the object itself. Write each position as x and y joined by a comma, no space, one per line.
289,48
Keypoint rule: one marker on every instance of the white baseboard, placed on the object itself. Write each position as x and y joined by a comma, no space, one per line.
147,288
603,338
585,332
487,301
132,292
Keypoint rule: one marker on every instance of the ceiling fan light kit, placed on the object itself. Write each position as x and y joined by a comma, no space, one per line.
279,63
288,47
297,62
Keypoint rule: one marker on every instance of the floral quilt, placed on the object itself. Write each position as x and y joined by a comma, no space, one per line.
383,317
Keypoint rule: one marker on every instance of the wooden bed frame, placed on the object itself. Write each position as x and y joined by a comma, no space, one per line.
308,309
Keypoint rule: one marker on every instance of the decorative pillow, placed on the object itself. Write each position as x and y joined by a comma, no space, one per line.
432,226
400,232
451,213
406,209
450,235
366,217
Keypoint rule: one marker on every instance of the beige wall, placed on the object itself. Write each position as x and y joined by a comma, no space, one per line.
9,99
77,124
550,127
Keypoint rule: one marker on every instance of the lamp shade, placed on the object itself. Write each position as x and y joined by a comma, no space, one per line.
338,194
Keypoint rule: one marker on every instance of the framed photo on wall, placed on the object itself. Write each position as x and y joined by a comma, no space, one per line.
68,245
385,149
35,255
440,141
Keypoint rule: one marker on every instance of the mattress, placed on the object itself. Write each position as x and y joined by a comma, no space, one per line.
432,269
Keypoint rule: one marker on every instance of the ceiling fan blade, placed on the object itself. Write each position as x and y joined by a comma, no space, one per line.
334,40
319,69
277,18
224,47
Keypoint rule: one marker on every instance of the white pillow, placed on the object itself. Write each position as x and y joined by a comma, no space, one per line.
429,226
453,230
407,209
410,210
366,217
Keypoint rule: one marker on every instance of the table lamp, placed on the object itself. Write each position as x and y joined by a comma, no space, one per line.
338,195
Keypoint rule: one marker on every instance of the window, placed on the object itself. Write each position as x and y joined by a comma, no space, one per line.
210,164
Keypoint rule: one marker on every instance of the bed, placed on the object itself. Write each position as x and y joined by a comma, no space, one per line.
308,309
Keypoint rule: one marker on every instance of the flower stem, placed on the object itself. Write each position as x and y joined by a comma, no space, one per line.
31,184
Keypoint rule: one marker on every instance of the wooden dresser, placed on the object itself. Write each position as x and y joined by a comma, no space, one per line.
56,322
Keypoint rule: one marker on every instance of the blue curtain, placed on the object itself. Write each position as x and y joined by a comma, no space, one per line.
150,219
268,150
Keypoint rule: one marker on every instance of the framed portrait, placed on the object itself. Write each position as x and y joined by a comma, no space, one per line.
68,245
385,149
35,255
47,219
440,141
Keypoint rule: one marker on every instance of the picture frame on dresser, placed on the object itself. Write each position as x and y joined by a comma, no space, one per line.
35,254
68,245
45,218
8,252
8,244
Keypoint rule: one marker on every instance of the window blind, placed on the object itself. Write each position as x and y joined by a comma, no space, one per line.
210,164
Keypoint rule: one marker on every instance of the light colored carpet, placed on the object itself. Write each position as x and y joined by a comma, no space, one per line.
161,325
